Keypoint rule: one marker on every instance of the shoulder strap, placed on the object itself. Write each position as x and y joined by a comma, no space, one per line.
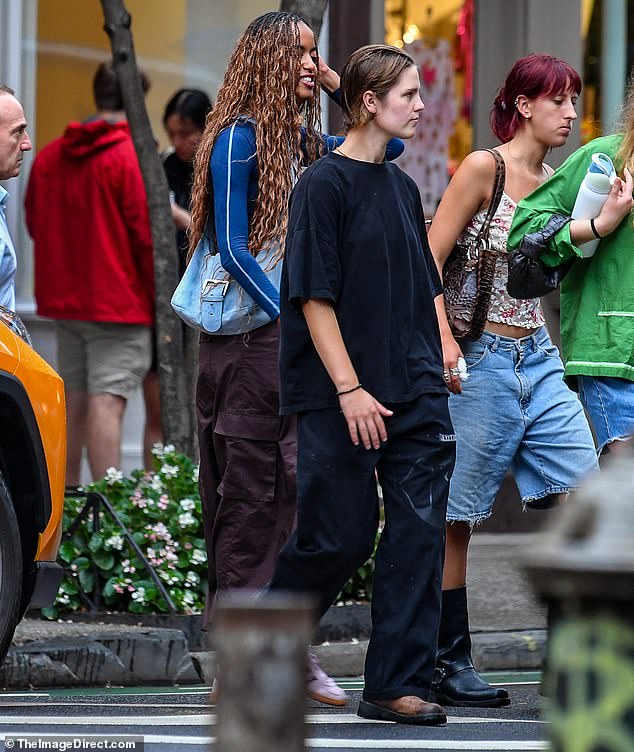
486,257
496,195
210,226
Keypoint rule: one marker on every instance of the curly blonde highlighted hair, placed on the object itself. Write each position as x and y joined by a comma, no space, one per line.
260,83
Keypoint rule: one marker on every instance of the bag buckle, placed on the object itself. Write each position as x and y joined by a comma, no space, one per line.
213,283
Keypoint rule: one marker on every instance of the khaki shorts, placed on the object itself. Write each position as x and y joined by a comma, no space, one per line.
100,357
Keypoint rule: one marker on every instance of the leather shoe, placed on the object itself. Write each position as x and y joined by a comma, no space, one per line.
424,713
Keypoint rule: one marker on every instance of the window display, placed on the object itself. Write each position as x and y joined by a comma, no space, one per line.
439,38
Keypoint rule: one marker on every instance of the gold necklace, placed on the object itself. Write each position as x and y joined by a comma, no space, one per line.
343,153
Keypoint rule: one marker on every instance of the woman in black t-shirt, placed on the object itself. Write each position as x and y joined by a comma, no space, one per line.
361,365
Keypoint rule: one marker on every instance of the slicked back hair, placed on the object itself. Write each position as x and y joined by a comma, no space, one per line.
375,68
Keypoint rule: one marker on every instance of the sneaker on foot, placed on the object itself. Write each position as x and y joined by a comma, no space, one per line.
322,687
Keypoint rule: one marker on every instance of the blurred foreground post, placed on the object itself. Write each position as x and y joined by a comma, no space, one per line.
262,643
584,567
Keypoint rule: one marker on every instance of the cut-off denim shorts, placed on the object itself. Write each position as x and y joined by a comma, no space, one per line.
610,405
515,412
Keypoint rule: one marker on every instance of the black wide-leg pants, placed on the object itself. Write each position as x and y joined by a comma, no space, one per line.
338,516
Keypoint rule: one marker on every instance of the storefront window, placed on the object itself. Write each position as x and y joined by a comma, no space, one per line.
608,61
591,33
438,36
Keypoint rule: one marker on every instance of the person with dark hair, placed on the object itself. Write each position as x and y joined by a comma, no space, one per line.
184,122
86,210
597,294
361,370
191,105
514,411
263,129
107,90
14,142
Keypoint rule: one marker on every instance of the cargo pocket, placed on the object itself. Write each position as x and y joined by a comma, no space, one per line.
252,454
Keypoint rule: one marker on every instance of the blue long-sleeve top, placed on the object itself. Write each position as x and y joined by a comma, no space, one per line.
234,174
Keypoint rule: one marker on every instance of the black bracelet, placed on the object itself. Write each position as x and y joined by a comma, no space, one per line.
594,230
347,391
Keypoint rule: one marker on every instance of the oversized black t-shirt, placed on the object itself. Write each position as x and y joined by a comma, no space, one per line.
356,237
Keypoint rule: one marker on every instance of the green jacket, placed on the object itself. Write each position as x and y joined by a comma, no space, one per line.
597,294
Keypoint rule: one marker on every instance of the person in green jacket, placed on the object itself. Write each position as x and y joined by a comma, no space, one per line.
597,294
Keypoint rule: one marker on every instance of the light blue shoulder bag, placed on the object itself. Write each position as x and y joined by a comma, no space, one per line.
209,299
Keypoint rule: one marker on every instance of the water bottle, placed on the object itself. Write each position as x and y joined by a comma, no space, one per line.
593,192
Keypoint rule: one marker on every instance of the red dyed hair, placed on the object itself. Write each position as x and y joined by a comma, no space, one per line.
534,76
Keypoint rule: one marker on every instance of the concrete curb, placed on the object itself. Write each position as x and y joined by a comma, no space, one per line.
82,655
66,654
492,651
509,651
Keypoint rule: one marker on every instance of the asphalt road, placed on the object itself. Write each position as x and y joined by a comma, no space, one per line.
169,719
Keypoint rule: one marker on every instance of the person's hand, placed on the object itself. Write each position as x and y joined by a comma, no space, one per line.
617,206
328,78
450,353
364,416
182,218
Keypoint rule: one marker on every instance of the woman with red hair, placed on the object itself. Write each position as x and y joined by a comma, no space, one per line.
514,411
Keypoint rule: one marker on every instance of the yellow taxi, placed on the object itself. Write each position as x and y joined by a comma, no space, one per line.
32,474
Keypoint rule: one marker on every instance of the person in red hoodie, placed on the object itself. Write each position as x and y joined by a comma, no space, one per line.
86,211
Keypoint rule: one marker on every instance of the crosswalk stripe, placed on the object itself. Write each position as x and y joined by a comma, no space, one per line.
209,719
105,720
467,746
136,706
23,694
365,744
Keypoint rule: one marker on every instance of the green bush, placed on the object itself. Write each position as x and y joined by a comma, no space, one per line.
162,511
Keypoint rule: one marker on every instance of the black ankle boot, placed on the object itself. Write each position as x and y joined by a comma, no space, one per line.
456,682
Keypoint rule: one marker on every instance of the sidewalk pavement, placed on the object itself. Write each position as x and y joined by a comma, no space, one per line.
507,625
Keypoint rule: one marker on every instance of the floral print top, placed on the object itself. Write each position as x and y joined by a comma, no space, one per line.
504,309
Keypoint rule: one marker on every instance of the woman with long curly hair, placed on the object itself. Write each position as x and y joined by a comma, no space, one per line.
261,132
514,412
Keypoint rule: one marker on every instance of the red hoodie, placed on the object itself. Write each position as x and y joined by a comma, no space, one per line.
87,213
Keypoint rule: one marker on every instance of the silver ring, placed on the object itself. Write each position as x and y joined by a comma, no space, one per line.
446,376
454,371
